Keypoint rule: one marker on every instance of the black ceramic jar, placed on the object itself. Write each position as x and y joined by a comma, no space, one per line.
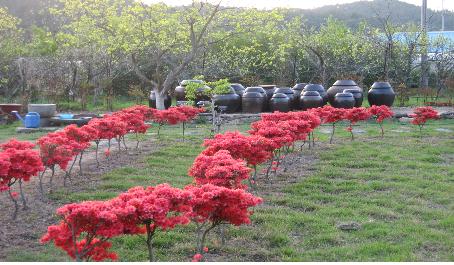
297,90
344,100
290,94
381,93
357,94
280,102
252,102
239,90
261,91
310,99
269,89
339,86
231,100
319,88
152,100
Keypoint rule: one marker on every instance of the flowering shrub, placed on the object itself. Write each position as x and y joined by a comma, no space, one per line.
134,124
277,132
161,207
57,149
18,162
380,113
82,136
355,115
146,113
213,205
331,115
219,169
85,230
254,149
421,115
86,227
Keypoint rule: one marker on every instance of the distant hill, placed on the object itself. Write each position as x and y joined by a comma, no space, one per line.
31,12
353,13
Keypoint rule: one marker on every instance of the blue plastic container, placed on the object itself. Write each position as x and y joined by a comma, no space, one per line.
32,120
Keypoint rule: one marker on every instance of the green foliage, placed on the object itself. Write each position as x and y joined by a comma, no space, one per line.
192,89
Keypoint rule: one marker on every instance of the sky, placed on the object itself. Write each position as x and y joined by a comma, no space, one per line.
305,4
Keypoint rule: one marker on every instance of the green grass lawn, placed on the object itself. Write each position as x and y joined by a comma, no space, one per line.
399,189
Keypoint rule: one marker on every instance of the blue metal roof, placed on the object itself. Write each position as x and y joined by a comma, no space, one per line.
446,34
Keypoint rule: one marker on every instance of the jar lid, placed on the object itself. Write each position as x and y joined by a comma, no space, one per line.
381,85
345,83
344,95
284,90
299,86
279,95
311,94
253,95
352,90
255,89
314,87
237,86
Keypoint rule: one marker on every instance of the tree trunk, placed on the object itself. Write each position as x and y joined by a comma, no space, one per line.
159,99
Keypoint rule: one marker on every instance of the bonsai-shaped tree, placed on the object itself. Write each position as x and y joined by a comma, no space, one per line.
221,86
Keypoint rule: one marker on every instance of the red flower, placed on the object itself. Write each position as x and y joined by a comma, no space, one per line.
380,112
219,169
197,257
422,114
254,149
205,249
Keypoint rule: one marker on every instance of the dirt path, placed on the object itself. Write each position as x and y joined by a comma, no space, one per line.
29,226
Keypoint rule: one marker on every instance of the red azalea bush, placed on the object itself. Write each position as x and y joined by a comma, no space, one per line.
277,132
189,112
329,114
85,230
254,149
213,205
134,123
19,162
4,169
219,169
355,115
86,227
380,113
146,113
422,114
169,116
57,149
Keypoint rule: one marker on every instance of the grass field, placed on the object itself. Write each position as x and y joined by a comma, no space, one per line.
399,190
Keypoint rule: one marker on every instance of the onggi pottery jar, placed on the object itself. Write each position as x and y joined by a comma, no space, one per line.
280,102
252,102
261,91
339,86
239,90
289,93
357,94
344,100
231,100
152,100
319,88
297,89
310,99
381,93
269,89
